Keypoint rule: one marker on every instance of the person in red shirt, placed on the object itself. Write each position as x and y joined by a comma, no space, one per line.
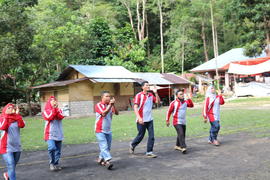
10,144
211,113
104,112
53,132
143,104
178,108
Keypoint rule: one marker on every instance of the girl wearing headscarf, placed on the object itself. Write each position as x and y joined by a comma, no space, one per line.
53,132
211,113
10,143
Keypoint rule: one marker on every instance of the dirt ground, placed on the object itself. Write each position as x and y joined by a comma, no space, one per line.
241,156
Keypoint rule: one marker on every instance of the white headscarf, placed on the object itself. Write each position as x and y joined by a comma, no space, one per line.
212,96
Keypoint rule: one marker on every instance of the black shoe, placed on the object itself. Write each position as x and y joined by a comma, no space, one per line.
131,149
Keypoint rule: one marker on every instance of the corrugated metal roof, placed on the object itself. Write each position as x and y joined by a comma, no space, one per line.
112,80
175,79
59,83
236,54
93,71
153,78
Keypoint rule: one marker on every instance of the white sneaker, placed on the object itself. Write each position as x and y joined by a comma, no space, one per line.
52,167
151,155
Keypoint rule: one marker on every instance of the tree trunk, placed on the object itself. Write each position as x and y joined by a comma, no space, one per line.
141,22
138,19
183,56
58,68
147,35
28,99
214,41
204,42
267,33
161,35
130,17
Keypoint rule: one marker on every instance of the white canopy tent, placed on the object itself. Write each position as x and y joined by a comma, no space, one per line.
249,69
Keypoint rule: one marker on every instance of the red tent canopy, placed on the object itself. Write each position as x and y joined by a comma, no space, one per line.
248,62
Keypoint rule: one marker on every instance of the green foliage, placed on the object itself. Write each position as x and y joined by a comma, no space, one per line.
38,39
254,18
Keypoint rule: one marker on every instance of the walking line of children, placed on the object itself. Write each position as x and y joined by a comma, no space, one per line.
11,122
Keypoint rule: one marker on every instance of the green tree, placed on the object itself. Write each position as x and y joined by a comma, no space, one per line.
253,18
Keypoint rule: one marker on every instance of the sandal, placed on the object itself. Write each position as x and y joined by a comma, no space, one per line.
108,165
101,161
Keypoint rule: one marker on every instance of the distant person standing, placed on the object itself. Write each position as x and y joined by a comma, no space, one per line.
10,142
104,112
178,108
211,113
53,132
143,104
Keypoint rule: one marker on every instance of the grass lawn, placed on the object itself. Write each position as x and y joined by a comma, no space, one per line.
246,100
81,130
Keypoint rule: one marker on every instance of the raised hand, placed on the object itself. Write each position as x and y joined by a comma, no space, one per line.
155,89
17,111
112,101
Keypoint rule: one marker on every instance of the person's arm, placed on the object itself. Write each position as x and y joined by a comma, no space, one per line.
189,101
156,99
136,110
107,110
20,121
169,112
4,124
115,110
59,115
18,118
221,99
205,109
137,100
49,115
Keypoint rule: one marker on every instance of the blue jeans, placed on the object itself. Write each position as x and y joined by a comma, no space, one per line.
214,130
11,160
105,142
141,132
54,151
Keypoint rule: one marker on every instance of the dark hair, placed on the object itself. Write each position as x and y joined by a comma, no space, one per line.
179,90
143,83
104,92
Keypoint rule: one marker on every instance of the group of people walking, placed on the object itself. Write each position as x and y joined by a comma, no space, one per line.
11,122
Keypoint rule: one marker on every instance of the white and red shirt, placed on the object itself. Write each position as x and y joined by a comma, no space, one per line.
211,111
145,104
10,136
53,124
103,123
178,109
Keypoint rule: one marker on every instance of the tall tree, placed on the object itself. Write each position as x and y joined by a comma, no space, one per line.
254,16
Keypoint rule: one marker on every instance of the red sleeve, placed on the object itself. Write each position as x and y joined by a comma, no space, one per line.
60,115
205,107
169,112
137,99
189,103
49,115
20,121
99,109
4,124
221,100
